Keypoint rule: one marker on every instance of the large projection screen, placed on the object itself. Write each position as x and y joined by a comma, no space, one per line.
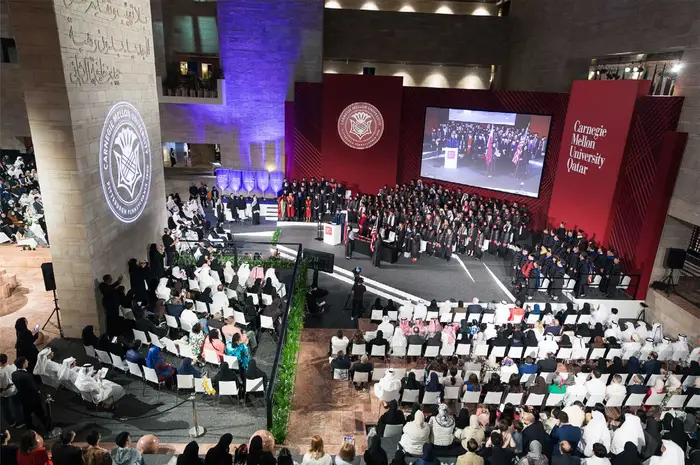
503,152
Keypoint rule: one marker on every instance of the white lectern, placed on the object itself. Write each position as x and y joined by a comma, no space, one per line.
450,158
331,233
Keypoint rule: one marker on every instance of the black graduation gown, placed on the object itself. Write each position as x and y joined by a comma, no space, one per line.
256,213
478,244
533,282
557,280
447,246
415,247
495,237
377,254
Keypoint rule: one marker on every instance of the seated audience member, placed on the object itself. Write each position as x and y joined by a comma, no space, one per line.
637,386
503,428
88,336
428,456
652,366
188,369
527,368
386,327
239,350
631,430
595,432
339,342
497,454
124,454
453,378
533,431
375,455
563,455
474,432
433,384
363,366
316,454
31,450
147,326
472,383
346,455
534,455
564,432
595,386
393,416
388,387
411,383
230,328
213,343
615,388
379,341
443,427
220,454
340,362
357,340
165,372
226,373
190,455
134,354
470,457
93,454
188,316
195,339
253,373
547,365
415,435
415,338
8,452
63,452
256,453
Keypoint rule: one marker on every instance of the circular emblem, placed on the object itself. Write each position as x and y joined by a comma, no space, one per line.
360,125
125,162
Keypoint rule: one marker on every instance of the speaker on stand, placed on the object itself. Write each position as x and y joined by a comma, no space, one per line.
675,260
50,285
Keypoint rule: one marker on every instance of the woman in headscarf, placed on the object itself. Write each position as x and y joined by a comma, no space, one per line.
25,342
617,367
399,458
415,434
671,454
534,456
220,453
257,455
462,421
226,374
375,455
474,431
88,336
428,457
434,385
187,369
677,433
443,427
253,372
189,456
630,430
165,372
628,456
393,416
156,257
100,391
595,431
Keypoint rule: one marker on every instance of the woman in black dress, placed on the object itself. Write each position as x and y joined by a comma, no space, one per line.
25,342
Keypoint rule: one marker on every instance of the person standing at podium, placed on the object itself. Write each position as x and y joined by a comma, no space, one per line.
376,250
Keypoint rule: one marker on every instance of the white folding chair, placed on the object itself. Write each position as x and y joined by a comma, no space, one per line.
535,400
493,397
612,353
254,385
90,351
498,351
118,363
211,357
359,349
266,322
360,377
635,400
592,400
198,385
393,315
463,349
186,326
185,382
378,351
447,350
452,392
532,318
103,357
446,318
254,296
228,388
481,350
571,319
393,431
186,351
376,315
266,299
239,318
420,375
415,350
431,351
149,374
155,340
652,379
488,318
474,317
515,353
554,400
378,373
694,402
194,285
170,346
654,399
615,401
398,351
171,322
676,401
231,294
141,336
597,353
471,397
580,353
134,369
340,374
514,398
431,398
410,396
200,307
432,315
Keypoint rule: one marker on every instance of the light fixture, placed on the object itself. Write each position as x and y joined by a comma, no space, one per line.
481,11
598,72
635,69
444,10
628,69
333,4
676,67
407,9
369,6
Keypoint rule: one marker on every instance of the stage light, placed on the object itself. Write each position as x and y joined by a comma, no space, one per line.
369,6
481,11
635,69
444,10
627,69
598,72
677,67
333,4
407,9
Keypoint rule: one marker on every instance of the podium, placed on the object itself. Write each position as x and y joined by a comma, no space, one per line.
331,233
450,158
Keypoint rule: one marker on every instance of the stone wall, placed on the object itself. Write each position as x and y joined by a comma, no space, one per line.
553,42
13,112
394,37
71,82
456,77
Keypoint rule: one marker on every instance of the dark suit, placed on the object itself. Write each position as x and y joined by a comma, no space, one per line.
29,397
474,308
66,455
548,365
536,432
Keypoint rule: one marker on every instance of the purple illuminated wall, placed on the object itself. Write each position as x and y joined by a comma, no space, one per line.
264,46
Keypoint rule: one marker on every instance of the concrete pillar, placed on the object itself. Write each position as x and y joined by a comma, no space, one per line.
103,194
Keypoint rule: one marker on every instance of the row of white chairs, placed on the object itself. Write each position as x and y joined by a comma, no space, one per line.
481,317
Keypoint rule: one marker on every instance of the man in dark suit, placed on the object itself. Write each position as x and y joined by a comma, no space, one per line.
637,386
28,393
363,366
474,307
341,362
534,431
547,365
64,452
652,366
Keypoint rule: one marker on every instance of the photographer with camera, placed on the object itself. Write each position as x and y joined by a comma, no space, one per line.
358,295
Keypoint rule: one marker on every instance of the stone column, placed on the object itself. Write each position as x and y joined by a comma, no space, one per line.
88,73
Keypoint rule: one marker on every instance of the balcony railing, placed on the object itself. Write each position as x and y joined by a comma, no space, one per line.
201,95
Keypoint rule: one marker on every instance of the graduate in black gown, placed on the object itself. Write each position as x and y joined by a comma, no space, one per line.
377,252
415,247
255,209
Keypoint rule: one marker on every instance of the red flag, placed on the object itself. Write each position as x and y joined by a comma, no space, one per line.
519,149
346,232
489,148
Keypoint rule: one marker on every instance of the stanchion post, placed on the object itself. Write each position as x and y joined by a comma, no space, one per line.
196,431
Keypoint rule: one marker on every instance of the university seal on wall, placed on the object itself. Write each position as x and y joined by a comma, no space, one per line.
360,125
125,162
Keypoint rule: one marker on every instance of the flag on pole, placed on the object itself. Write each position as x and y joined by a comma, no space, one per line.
372,238
521,144
489,148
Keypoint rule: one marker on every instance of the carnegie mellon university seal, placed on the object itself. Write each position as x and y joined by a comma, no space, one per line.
360,125
125,162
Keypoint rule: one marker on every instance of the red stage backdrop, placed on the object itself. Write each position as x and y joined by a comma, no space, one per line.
591,153
416,99
360,132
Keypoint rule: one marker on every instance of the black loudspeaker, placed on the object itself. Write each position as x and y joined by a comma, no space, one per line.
675,259
49,278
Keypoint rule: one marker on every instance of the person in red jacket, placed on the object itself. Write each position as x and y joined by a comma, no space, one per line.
308,209
31,450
